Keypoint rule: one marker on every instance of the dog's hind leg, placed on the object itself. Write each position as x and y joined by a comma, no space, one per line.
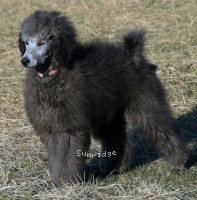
115,146
150,114
64,163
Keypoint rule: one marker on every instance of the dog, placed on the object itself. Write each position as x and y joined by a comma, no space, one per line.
75,90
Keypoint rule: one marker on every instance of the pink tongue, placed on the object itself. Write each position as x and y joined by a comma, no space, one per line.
50,73
54,71
40,75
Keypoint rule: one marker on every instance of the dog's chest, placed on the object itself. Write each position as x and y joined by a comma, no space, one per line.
48,114
42,116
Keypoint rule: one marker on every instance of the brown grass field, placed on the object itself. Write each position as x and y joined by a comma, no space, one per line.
171,44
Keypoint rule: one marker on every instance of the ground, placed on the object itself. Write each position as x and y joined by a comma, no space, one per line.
171,44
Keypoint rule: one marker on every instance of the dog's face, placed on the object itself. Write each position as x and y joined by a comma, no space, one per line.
37,50
47,39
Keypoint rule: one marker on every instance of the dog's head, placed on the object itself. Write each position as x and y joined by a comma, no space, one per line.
45,38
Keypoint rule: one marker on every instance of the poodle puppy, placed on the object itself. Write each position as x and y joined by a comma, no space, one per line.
74,90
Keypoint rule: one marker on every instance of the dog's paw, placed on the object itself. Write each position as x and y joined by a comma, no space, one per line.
180,168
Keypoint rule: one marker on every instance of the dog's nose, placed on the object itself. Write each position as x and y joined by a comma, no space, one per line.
25,61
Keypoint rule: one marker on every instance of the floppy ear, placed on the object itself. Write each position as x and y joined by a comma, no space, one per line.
63,46
21,44
60,53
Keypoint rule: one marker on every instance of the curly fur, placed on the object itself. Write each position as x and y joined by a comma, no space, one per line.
96,84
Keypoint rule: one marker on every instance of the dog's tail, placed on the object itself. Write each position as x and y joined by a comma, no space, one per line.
133,43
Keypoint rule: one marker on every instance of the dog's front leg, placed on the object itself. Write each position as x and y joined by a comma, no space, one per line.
57,147
79,142
65,164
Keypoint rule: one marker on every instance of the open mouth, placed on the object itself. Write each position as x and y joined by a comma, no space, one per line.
44,66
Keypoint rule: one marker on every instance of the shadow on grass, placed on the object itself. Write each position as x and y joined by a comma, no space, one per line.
188,126
143,154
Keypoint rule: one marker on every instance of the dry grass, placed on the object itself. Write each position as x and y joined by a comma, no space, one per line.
172,44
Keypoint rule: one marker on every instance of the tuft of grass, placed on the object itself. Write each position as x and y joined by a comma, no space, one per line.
171,44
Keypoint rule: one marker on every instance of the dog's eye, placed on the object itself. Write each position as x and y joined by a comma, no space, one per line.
26,42
51,37
41,43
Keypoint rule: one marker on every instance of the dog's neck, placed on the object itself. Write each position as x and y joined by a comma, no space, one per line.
51,84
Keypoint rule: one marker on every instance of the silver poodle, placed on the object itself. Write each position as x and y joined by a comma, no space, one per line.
73,90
